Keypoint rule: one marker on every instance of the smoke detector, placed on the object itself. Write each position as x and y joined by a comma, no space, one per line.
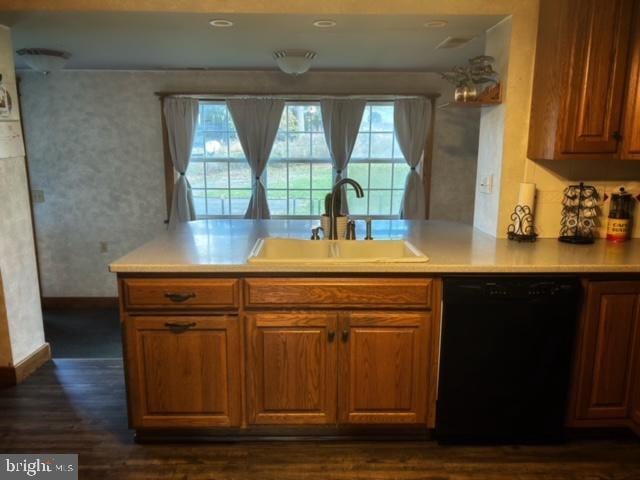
44,60
294,62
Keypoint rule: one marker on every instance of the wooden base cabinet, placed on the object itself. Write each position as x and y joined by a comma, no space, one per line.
184,371
345,368
384,367
608,356
291,368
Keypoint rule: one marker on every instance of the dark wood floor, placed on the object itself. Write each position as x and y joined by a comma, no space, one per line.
78,406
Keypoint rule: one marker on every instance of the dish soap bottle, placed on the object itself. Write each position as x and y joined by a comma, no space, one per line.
619,224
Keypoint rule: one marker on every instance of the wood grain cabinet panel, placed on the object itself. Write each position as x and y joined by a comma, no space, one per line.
180,293
184,371
631,131
580,78
291,368
608,347
337,293
384,366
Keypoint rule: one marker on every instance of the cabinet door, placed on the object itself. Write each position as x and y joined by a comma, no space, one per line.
291,368
631,130
384,365
184,371
635,407
597,76
609,341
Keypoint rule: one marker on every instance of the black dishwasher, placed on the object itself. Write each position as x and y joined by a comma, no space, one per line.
505,358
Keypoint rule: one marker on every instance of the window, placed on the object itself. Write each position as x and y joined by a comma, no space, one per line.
218,172
299,173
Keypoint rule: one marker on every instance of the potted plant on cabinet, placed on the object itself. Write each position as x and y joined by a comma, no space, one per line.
341,220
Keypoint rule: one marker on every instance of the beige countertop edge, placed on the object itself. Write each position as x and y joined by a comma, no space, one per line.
353,269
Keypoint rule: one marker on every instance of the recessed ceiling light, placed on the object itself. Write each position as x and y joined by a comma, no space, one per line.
221,22
436,23
325,23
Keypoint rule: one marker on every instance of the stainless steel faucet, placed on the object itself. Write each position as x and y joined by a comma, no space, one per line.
333,225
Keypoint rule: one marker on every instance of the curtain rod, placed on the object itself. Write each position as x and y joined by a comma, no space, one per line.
294,97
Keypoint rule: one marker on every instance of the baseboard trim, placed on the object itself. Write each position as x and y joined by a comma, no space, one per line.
15,374
78,303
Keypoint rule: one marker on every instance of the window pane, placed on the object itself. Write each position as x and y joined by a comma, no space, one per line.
279,149
381,175
321,176
235,149
199,201
396,202
397,153
382,118
296,118
215,145
317,202
360,173
217,202
197,151
239,201
380,202
381,145
217,175
239,175
400,171
214,116
364,124
361,148
357,206
319,146
276,175
299,145
299,203
195,174
299,177
277,201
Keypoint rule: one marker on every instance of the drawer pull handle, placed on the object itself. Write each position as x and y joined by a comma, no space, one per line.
345,335
179,327
179,297
331,335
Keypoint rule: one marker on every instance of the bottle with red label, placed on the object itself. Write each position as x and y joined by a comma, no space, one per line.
620,213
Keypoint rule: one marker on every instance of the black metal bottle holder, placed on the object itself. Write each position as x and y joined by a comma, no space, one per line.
575,227
522,228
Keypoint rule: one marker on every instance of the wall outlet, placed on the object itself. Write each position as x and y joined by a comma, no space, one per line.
104,247
486,184
37,196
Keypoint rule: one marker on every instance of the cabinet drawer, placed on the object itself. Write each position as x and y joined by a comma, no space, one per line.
180,293
338,293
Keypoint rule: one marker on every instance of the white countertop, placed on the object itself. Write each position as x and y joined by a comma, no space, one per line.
223,246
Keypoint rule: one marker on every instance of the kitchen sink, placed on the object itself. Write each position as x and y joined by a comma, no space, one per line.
291,250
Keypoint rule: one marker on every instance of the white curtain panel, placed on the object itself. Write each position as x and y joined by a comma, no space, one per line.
411,122
256,121
341,120
181,117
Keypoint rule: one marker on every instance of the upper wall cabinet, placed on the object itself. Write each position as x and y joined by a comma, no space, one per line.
584,94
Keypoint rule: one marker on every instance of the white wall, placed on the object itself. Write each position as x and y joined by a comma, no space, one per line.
94,147
21,332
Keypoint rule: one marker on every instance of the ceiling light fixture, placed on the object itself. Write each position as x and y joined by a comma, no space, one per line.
436,23
325,23
44,60
294,62
221,22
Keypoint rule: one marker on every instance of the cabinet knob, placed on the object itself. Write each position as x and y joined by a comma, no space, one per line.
331,335
179,297
345,335
617,136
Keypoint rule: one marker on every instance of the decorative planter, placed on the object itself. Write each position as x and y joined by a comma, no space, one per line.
465,93
341,223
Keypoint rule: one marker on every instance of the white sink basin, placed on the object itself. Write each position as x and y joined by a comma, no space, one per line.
290,250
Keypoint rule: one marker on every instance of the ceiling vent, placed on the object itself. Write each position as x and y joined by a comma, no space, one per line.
454,42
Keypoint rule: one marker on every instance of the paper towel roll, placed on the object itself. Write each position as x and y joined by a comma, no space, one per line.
527,195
